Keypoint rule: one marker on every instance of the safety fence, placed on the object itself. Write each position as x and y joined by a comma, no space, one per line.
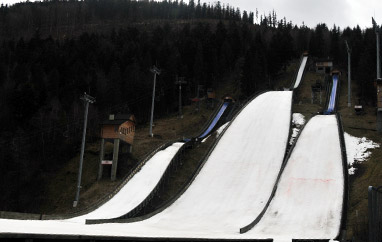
375,214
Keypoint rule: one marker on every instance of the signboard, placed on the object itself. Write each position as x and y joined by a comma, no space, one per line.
107,162
126,132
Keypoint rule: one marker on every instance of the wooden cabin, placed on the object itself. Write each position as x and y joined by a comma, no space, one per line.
211,93
119,126
324,66
116,129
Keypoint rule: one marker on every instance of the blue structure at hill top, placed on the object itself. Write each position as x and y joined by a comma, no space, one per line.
215,120
333,94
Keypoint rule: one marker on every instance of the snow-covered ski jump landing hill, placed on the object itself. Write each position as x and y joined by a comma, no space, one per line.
235,184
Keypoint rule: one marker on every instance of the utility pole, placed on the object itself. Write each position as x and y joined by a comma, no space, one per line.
179,81
378,80
377,30
349,73
156,72
87,99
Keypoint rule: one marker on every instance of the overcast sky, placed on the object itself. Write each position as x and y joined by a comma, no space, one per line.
343,13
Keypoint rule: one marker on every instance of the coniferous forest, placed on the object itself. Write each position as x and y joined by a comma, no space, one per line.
51,52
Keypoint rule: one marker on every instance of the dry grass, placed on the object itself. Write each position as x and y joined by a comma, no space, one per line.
60,192
369,173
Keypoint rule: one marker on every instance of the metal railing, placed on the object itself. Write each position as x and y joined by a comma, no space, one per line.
375,214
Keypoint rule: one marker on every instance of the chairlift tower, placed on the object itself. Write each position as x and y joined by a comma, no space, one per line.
87,99
377,31
349,73
156,72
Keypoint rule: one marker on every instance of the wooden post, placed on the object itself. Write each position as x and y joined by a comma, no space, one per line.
101,157
115,160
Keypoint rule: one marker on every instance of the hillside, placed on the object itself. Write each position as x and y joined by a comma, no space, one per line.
54,51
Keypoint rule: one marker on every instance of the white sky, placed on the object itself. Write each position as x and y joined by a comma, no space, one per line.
343,13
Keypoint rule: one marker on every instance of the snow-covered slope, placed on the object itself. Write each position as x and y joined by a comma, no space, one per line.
230,190
239,175
137,189
309,196
300,71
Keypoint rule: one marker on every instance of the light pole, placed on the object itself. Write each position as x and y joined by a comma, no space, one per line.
349,73
87,99
377,30
179,81
379,86
156,72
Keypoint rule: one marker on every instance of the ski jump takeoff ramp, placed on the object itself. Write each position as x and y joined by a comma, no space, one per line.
137,189
230,190
309,198
300,72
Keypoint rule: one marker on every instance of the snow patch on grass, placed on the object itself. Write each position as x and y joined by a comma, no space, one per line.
358,150
297,121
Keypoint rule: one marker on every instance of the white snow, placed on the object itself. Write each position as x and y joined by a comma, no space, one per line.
220,129
136,190
308,200
297,121
218,132
358,150
300,71
206,138
228,193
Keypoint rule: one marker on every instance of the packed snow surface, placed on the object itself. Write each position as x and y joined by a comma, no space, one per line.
228,193
309,197
357,150
300,71
137,189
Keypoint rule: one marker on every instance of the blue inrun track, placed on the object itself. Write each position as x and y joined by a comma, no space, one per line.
333,94
215,121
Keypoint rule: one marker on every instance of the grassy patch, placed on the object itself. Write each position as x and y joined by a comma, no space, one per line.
60,191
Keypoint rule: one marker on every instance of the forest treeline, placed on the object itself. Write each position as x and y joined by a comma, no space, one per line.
52,52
